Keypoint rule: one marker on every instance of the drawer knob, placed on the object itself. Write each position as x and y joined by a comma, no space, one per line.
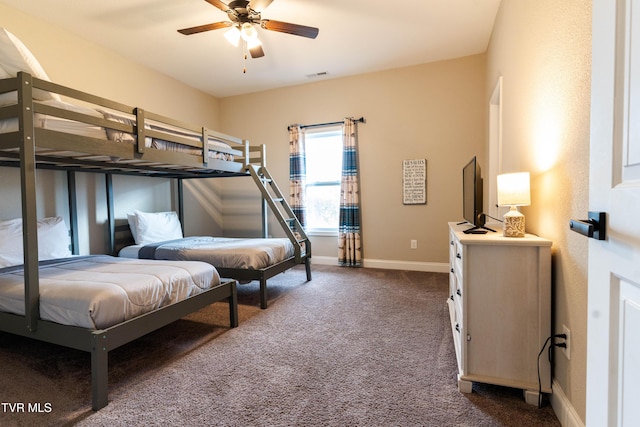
457,327
458,292
458,256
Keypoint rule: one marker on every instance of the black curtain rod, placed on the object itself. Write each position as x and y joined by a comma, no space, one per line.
360,120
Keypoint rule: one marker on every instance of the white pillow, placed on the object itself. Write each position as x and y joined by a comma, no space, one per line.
53,240
11,242
14,57
133,226
155,227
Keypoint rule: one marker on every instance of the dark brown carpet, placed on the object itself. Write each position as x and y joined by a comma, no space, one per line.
353,347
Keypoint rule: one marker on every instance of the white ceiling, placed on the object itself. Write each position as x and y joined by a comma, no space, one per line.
356,36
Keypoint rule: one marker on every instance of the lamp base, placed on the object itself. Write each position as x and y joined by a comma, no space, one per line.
513,223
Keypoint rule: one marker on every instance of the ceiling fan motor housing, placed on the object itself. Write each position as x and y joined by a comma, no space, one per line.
240,11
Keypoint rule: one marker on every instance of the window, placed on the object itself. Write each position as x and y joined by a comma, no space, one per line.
324,168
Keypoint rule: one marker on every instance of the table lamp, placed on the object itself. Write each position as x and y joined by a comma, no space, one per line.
513,190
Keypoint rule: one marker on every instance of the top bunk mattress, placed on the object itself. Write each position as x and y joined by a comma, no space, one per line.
100,291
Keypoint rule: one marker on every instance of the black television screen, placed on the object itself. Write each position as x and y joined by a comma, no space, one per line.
472,194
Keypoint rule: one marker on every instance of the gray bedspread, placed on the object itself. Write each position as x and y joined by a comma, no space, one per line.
222,252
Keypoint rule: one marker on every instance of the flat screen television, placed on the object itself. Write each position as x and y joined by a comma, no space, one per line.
472,197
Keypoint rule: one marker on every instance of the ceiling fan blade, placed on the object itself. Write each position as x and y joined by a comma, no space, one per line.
259,5
285,27
206,27
217,3
256,52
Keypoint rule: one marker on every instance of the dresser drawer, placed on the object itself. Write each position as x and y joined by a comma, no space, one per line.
458,333
455,259
453,283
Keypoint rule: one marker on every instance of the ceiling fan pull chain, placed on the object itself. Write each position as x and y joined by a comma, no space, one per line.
244,51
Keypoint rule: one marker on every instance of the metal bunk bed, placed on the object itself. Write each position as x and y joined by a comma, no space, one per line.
30,147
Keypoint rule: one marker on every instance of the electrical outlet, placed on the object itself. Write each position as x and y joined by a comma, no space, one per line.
414,244
567,350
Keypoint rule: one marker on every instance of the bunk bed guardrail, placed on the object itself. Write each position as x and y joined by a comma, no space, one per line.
134,140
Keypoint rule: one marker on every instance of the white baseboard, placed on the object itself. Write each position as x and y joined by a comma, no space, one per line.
563,408
324,260
433,267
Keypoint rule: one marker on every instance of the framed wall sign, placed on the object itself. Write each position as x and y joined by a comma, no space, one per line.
414,182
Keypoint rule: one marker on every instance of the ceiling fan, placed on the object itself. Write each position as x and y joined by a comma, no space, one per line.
244,15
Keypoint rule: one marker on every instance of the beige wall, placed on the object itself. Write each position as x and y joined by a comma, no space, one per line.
71,60
542,50
433,111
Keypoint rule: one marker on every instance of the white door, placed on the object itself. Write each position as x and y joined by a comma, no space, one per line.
613,358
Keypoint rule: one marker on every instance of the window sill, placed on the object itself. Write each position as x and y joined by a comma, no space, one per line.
323,233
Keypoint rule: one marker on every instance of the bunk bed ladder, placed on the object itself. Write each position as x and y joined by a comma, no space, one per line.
274,198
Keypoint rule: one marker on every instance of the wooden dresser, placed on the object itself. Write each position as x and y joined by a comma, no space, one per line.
500,308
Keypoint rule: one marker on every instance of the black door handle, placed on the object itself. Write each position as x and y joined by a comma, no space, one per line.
594,227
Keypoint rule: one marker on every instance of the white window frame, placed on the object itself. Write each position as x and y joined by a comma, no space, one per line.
309,133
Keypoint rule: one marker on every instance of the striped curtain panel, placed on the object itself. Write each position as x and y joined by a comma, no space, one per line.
297,173
349,235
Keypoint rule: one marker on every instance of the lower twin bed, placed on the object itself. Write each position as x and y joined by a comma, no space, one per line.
159,236
97,292
99,303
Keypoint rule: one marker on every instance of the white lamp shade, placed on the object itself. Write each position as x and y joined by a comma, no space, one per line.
248,32
233,35
254,42
513,189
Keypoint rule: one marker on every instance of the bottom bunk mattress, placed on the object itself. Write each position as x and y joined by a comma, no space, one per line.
99,291
222,252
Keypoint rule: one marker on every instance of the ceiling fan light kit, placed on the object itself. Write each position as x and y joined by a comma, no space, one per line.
244,15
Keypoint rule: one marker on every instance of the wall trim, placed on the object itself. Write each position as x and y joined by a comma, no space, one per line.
433,267
563,408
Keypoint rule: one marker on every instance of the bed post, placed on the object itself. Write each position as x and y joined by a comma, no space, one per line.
99,371
111,222
140,130
180,191
263,156
265,205
28,196
265,219
263,292
247,154
307,266
73,211
233,305
205,146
